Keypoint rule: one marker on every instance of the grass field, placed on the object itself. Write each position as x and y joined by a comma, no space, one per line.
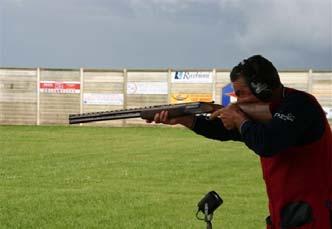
85,177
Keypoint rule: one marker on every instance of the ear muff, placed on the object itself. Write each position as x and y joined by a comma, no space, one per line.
259,88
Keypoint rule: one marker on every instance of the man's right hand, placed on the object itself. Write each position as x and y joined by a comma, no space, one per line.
162,117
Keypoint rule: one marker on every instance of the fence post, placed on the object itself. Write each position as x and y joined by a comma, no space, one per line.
214,80
310,81
169,86
125,82
81,89
38,96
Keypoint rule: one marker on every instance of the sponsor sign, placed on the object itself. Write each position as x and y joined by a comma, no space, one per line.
102,99
191,77
227,95
147,88
67,87
186,98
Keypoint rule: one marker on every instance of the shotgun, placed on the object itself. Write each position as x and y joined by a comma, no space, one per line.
255,111
174,110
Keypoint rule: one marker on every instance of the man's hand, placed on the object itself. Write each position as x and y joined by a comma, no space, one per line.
232,116
162,117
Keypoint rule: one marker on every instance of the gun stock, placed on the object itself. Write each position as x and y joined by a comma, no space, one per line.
257,111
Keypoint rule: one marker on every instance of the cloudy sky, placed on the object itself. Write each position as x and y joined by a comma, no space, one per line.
293,34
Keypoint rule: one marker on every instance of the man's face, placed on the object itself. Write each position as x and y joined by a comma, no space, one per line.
243,92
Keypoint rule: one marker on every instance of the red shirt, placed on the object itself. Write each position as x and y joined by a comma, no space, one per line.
296,156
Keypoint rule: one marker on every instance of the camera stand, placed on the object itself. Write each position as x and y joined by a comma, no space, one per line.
207,217
207,205
208,225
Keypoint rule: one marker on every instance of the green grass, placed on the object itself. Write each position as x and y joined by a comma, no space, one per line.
86,177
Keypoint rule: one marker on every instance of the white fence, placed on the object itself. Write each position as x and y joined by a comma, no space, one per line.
48,96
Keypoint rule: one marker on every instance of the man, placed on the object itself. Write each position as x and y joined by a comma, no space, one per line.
295,146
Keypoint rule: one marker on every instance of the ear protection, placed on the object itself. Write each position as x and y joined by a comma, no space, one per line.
257,84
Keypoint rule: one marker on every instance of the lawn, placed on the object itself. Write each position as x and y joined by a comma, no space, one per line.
152,178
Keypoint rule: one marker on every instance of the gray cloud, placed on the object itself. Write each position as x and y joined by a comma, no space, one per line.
164,33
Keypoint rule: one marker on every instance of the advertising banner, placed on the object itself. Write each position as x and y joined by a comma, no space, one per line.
147,88
192,77
102,99
66,87
227,95
186,98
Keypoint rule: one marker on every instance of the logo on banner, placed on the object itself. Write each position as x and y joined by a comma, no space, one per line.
179,75
192,77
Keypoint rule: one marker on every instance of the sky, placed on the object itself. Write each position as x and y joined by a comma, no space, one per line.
150,34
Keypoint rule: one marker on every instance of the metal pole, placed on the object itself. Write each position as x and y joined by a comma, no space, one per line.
207,217
208,225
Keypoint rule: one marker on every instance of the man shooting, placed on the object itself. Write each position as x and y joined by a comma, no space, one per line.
294,146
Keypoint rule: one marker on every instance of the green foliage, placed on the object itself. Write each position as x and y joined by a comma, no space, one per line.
86,177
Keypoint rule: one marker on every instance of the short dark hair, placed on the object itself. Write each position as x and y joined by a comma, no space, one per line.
258,69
